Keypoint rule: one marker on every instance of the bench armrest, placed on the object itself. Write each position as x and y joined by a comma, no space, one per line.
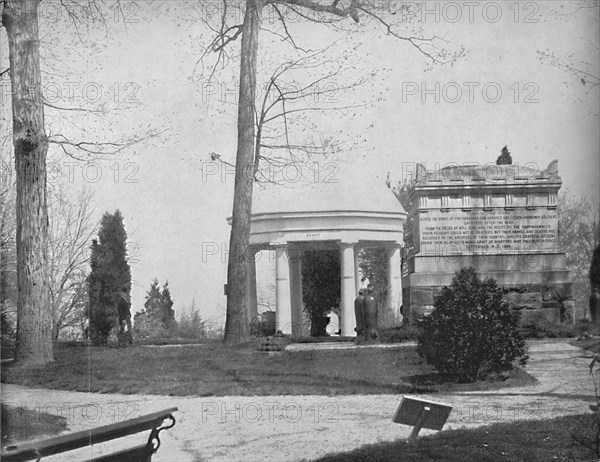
76,440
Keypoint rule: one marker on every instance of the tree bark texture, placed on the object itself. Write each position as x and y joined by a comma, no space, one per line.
236,323
34,321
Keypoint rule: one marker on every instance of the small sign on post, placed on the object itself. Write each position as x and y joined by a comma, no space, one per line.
420,413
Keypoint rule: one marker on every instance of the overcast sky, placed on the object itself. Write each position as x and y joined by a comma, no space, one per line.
175,202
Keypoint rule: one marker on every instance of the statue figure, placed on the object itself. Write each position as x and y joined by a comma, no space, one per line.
370,314
358,313
552,168
365,310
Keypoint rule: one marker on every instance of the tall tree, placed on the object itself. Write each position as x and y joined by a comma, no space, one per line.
147,322
235,323
166,304
594,300
152,305
157,319
578,236
8,251
34,319
190,323
72,226
20,18
248,141
110,278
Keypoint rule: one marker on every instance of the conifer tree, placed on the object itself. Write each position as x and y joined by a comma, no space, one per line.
110,277
168,313
157,319
152,305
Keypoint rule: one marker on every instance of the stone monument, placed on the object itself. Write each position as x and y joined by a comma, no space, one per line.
500,219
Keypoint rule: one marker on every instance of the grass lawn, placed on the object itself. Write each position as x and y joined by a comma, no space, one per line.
529,441
213,369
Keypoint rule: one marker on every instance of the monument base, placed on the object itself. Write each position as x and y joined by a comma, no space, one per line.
535,285
502,220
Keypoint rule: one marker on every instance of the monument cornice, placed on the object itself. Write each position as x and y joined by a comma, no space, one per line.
332,213
332,225
529,187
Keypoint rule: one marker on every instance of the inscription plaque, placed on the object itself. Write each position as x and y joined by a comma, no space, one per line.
480,231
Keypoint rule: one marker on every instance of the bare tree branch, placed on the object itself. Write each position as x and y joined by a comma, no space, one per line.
98,148
73,109
72,227
585,77
332,8
287,36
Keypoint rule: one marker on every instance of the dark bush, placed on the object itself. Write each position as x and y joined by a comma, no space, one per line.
321,286
471,332
585,327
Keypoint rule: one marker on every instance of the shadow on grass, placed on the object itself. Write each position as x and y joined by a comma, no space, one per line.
20,424
540,440
437,382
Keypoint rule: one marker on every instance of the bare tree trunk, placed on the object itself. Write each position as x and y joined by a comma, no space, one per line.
4,248
236,323
34,322
55,331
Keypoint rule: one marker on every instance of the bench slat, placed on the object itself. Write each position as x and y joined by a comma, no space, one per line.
127,455
68,442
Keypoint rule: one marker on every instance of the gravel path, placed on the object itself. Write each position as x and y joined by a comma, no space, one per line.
306,427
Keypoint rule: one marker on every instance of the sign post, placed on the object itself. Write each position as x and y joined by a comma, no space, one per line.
421,414
417,428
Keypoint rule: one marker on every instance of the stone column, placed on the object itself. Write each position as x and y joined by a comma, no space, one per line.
348,320
283,308
252,298
394,299
356,270
295,262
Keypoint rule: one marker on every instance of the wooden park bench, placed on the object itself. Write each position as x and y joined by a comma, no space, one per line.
35,450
